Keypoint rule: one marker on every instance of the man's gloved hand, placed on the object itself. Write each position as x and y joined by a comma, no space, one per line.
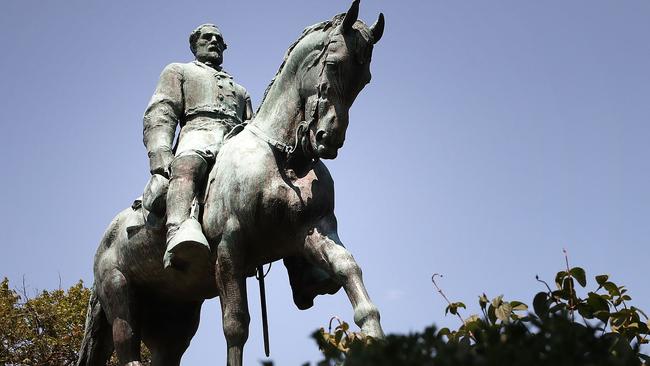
159,161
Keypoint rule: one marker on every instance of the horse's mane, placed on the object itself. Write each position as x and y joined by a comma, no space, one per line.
307,31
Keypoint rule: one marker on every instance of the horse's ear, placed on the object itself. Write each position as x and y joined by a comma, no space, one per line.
377,29
351,16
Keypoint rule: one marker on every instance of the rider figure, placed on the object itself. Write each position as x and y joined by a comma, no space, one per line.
207,103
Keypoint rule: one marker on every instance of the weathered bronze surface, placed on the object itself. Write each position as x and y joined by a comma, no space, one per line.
268,197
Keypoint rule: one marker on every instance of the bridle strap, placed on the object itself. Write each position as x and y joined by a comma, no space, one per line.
312,111
271,141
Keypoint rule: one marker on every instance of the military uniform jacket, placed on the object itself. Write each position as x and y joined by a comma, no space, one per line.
189,90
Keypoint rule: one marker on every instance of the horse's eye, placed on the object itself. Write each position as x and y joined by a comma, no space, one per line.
332,66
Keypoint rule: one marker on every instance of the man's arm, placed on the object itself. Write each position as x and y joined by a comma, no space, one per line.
161,118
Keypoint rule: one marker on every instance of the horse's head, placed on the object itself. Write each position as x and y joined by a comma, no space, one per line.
337,68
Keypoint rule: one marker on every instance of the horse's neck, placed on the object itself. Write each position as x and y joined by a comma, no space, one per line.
281,111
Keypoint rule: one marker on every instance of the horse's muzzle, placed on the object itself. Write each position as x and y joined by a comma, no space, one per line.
325,147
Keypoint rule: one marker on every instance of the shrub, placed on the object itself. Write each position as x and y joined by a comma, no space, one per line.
608,332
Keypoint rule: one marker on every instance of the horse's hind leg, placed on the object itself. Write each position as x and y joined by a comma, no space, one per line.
167,329
119,305
324,249
231,281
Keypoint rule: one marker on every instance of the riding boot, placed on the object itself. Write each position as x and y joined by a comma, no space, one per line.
186,245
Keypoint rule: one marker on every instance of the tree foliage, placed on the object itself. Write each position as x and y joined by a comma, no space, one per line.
596,328
45,330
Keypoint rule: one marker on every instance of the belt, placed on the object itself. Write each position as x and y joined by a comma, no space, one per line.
212,117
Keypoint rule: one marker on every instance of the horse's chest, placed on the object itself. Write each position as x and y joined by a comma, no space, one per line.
296,198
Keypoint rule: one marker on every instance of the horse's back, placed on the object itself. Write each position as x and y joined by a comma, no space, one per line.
136,251
128,245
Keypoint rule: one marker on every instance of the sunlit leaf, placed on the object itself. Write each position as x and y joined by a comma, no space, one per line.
518,306
503,311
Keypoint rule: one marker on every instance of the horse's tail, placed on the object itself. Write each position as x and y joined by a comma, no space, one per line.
97,344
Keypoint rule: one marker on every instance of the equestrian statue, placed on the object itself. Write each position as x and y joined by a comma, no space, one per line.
235,191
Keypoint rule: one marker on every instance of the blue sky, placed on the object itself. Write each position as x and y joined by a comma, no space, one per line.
493,134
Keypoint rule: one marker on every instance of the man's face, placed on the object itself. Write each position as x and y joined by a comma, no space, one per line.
209,46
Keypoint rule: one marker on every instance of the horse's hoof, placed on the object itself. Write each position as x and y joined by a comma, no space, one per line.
373,330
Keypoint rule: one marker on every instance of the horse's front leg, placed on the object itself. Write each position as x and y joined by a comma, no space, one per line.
324,248
231,281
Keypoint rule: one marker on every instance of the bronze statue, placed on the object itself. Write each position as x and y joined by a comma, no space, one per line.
207,103
269,196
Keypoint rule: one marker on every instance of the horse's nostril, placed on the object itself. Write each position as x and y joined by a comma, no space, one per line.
320,135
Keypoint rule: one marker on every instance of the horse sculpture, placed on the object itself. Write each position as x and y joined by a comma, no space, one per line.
269,197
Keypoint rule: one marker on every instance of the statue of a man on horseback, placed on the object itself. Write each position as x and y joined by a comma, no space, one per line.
265,195
207,103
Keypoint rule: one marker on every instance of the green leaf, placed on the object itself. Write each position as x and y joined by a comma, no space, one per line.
597,302
453,307
473,323
559,277
612,288
569,286
580,275
639,311
492,317
518,306
540,304
483,301
557,307
602,315
601,279
585,310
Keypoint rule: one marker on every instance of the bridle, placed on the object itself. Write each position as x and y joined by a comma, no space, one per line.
312,112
